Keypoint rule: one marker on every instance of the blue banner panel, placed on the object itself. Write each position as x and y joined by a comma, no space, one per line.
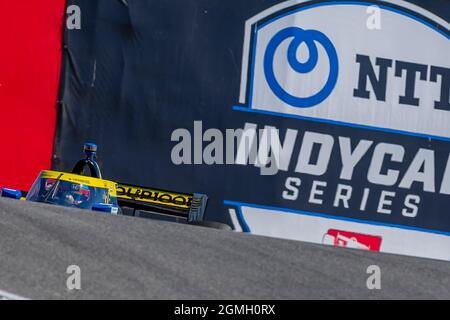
320,121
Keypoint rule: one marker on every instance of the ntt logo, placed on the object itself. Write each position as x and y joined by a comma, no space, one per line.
323,61
298,38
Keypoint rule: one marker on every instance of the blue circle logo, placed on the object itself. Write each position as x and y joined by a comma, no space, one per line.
309,37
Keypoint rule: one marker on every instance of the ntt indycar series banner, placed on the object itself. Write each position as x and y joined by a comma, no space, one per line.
377,75
342,109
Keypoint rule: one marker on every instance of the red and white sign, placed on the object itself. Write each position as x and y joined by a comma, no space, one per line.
353,240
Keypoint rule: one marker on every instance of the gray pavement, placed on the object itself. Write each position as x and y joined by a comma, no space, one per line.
133,258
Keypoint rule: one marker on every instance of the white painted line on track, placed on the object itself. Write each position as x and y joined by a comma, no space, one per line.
4,295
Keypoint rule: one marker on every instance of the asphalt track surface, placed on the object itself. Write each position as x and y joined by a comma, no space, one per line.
135,258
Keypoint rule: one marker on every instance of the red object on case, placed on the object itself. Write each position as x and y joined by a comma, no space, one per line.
30,63
354,240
